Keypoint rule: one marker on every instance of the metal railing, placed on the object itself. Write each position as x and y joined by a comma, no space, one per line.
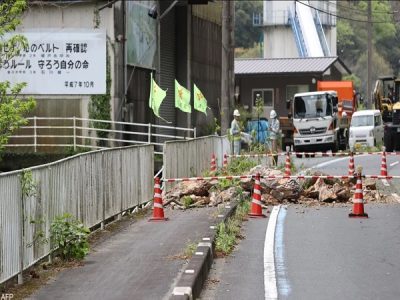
93,187
48,132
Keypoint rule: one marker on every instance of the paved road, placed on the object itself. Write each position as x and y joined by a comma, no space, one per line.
319,253
136,263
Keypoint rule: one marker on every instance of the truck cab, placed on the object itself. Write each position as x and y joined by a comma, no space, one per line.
315,121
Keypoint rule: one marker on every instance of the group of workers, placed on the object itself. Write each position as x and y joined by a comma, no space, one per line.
274,129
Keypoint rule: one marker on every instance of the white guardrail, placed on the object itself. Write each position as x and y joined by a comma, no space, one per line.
92,187
84,133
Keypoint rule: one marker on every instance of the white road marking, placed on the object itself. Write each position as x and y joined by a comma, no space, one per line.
396,196
394,163
271,291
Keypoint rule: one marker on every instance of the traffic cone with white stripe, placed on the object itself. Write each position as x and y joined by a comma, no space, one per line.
358,201
225,164
158,209
383,164
287,165
351,164
256,209
213,164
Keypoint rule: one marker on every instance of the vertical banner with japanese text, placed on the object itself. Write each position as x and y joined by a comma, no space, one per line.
59,62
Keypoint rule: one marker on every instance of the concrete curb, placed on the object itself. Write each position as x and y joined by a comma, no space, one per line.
192,280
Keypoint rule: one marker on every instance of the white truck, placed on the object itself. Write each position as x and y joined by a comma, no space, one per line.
316,124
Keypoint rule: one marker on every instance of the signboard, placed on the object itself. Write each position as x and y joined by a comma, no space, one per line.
59,62
141,31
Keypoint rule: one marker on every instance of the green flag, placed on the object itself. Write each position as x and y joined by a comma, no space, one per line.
200,103
182,98
157,96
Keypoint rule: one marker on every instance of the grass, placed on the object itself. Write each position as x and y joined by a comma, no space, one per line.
228,233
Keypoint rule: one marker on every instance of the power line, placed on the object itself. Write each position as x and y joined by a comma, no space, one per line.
341,17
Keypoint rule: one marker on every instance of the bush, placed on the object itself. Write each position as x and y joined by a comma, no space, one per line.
70,237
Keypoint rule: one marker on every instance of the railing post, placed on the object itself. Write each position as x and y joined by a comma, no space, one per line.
74,125
194,132
34,135
149,140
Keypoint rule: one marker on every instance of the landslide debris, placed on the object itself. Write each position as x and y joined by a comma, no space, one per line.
314,191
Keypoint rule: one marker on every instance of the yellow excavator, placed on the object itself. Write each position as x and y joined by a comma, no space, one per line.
386,99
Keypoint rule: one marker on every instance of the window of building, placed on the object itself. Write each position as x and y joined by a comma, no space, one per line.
266,94
294,89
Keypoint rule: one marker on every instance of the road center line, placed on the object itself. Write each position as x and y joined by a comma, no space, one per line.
271,291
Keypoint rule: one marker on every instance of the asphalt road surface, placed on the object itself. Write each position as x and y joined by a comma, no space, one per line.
317,253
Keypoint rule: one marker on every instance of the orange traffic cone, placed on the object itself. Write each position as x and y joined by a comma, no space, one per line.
256,209
383,164
225,161
213,164
158,210
351,164
358,201
287,165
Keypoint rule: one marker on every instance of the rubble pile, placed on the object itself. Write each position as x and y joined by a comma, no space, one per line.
316,191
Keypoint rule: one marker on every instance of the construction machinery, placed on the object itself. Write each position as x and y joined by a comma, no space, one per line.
386,99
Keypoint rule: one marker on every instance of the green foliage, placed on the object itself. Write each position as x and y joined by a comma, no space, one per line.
12,108
190,249
187,201
225,239
211,128
238,166
228,232
28,185
245,33
70,237
10,13
259,106
255,52
352,39
100,109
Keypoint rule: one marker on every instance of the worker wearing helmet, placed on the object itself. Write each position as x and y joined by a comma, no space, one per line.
236,132
274,129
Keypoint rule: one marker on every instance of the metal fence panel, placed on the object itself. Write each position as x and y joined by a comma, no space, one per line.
9,226
91,186
193,157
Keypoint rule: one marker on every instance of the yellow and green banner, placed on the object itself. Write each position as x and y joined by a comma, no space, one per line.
200,103
182,98
157,96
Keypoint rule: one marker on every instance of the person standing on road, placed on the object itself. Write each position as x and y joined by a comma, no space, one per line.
236,132
274,129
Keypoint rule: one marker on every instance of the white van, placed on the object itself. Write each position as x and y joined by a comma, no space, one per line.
366,128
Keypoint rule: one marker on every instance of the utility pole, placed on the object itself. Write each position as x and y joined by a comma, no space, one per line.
189,60
227,62
369,67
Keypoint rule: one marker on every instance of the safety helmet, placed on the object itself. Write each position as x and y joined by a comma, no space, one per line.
236,113
272,114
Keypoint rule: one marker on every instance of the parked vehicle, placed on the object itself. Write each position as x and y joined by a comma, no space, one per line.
316,123
366,128
386,99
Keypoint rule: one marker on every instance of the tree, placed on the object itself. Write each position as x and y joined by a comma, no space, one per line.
245,33
12,107
352,38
